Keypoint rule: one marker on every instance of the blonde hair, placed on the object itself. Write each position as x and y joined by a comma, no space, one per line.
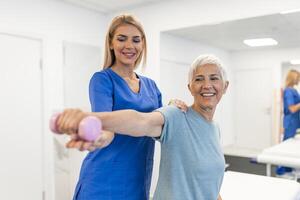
292,78
205,60
109,55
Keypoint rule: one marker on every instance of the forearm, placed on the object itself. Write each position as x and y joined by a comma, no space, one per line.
294,108
129,122
219,197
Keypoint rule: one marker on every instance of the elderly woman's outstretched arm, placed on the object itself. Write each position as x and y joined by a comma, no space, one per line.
128,122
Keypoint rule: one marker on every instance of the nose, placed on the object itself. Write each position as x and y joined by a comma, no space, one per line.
129,44
207,84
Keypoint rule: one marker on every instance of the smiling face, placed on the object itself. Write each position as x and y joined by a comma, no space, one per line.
207,87
127,44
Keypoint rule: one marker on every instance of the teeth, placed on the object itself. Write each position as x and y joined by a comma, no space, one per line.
129,54
207,94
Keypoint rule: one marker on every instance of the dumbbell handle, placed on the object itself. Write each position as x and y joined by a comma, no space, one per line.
89,127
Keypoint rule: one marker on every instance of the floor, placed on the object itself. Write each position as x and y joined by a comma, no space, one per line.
248,165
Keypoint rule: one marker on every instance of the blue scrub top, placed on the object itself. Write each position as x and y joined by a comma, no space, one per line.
123,169
290,120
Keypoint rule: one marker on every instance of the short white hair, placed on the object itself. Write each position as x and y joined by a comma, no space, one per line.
206,59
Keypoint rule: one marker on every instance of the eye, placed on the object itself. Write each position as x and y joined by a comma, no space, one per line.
136,39
199,79
215,78
121,38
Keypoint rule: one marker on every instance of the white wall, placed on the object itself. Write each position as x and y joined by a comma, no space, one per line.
266,59
180,14
52,22
181,53
271,58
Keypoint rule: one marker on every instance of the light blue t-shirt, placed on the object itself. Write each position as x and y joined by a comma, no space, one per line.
192,163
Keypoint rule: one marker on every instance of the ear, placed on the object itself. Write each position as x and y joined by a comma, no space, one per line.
189,87
226,86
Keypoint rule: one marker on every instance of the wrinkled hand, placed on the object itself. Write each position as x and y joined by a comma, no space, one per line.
102,141
179,104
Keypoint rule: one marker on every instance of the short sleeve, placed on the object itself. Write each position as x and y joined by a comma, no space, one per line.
101,92
218,132
155,91
289,98
158,96
172,117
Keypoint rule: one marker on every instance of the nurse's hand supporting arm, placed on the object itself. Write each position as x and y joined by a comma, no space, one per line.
179,104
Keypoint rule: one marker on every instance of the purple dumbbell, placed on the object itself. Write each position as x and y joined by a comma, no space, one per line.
89,127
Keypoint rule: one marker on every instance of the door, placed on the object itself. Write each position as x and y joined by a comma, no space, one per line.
174,81
80,62
20,118
253,108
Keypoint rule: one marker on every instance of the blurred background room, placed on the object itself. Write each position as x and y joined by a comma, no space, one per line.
49,49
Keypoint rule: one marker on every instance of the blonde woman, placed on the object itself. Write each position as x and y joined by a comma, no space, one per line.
291,107
123,169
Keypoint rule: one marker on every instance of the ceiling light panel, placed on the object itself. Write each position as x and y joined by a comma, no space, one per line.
260,42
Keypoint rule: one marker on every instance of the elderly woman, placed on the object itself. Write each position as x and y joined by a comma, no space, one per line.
192,164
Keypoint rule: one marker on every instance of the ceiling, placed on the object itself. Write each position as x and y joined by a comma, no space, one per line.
108,6
285,28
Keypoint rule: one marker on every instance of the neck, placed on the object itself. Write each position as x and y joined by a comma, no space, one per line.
205,112
124,71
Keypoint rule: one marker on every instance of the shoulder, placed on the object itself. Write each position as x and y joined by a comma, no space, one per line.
290,91
172,122
147,80
170,112
101,74
101,77
149,83
101,81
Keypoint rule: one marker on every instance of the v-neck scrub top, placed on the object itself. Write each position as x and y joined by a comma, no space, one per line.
123,169
291,120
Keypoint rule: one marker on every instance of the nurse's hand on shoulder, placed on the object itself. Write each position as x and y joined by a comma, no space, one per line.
179,104
102,141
